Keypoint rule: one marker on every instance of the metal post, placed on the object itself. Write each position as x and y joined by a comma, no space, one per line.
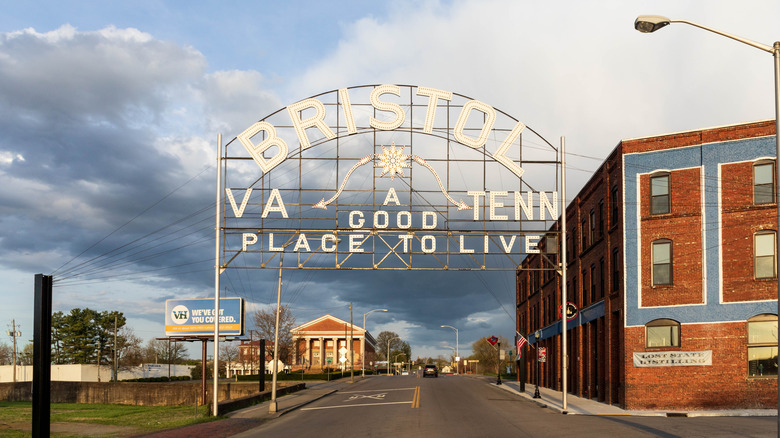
498,365
261,364
217,269
457,351
275,365
13,333
203,371
538,335
776,54
564,356
41,385
351,349
363,353
521,369
116,368
365,338
388,353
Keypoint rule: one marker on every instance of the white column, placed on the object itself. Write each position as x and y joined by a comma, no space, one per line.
322,352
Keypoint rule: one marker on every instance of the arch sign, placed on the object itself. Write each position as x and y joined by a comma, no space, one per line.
388,177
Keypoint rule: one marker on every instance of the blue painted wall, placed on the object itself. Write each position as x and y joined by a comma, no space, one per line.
707,157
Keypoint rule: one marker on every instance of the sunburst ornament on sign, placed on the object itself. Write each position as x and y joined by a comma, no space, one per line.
393,161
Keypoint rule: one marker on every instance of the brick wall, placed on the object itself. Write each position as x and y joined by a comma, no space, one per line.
132,393
740,221
682,225
724,385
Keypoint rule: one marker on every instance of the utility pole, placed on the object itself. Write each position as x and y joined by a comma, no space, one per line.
14,334
116,376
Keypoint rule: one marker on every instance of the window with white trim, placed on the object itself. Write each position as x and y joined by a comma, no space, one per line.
662,262
762,345
659,194
764,182
764,254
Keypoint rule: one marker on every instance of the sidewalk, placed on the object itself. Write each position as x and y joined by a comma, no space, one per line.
582,406
314,391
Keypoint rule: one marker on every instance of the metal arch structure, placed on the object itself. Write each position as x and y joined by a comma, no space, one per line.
388,177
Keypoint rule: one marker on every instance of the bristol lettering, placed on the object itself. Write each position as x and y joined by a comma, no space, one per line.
389,177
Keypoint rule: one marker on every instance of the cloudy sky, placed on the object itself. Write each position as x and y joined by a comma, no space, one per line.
110,115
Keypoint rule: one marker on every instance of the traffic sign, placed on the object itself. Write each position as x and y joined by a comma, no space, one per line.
571,311
342,359
343,351
329,360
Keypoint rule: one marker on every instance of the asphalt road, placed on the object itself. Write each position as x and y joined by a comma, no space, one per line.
460,406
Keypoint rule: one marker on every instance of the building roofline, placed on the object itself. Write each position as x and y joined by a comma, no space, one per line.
691,131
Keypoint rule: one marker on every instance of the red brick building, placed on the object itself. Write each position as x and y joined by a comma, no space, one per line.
319,344
672,264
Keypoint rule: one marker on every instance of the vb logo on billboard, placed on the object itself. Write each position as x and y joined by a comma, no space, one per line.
180,314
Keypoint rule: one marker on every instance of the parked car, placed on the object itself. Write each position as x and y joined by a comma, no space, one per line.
431,370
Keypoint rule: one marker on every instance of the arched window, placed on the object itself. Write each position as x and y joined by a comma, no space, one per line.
662,333
662,262
764,182
659,194
762,345
764,264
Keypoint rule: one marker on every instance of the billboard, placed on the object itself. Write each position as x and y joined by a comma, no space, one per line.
195,317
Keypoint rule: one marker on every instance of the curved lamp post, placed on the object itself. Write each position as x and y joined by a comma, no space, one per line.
457,352
651,23
388,352
396,358
363,354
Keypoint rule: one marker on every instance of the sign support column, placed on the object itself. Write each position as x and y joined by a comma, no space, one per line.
563,355
215,395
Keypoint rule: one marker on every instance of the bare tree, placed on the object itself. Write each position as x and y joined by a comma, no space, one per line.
130,352
265,321
163,351
228,353
6,354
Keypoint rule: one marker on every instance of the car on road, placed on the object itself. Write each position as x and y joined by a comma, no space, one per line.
431,370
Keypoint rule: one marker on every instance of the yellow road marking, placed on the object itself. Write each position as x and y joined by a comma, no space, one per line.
416,398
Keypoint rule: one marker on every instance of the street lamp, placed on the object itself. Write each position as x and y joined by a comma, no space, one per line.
388,352
651,23
537,336
396,356
272,407
457,352
363,357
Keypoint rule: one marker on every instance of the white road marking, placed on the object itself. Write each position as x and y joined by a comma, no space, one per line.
375,396
354,405
375,390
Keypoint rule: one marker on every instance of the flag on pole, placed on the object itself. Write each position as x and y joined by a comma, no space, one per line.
520,342
492,340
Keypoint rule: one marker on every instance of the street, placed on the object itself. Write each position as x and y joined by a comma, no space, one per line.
461,406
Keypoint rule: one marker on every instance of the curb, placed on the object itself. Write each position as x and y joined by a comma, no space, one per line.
669,414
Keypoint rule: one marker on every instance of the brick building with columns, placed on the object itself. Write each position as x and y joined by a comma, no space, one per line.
321,339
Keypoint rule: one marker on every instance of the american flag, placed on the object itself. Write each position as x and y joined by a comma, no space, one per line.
492,340
520,342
